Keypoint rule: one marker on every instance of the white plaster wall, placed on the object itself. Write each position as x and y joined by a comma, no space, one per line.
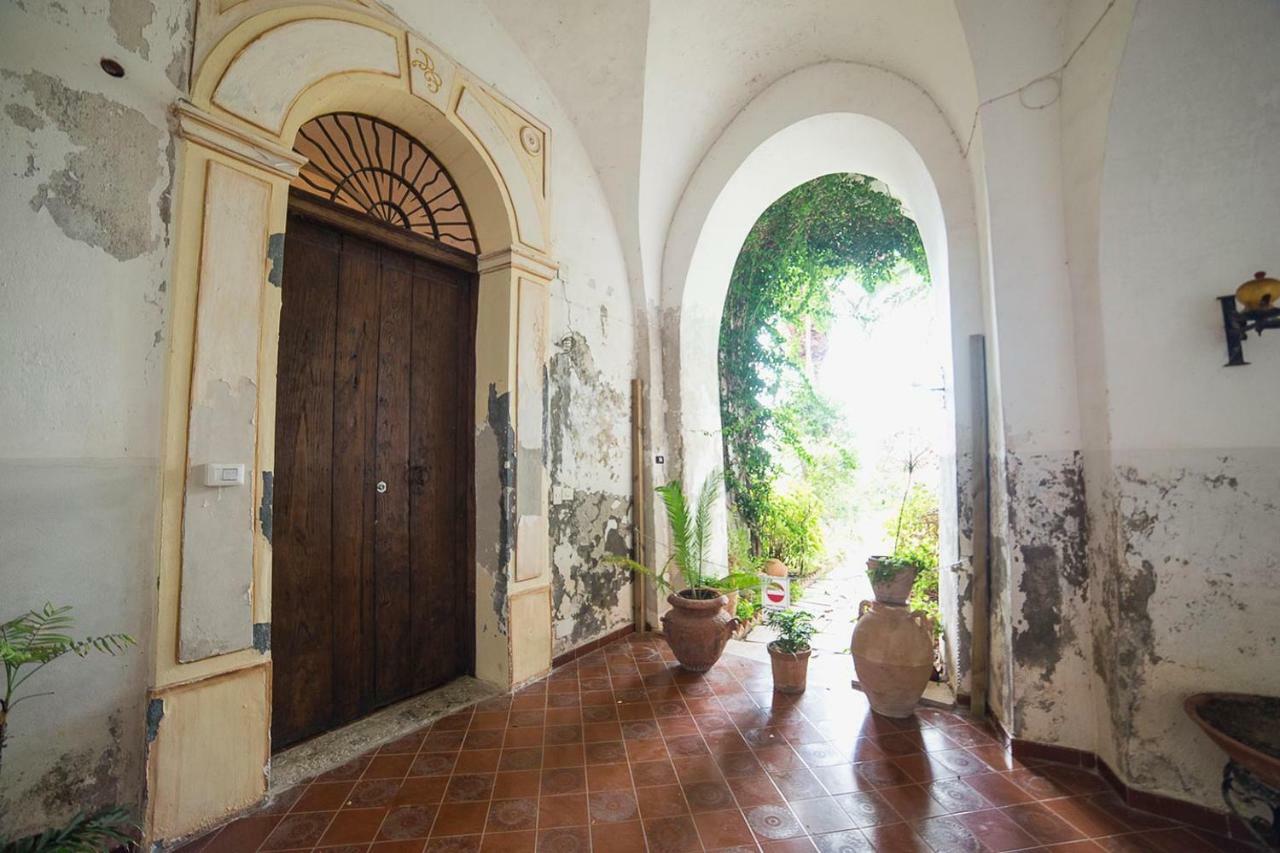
1087,90
1190,197
1041,657
85,171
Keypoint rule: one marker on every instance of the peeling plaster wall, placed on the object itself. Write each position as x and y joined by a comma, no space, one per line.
1186,541
85,176
1039,681
1191,602
1048,590
590,475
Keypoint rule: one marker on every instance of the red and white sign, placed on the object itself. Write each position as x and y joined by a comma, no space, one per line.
775,592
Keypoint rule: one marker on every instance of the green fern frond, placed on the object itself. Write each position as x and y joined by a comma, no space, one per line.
85,833
38,634
682,533
640,568
110,644
702,524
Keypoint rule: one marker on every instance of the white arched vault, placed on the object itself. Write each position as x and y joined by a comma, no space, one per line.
822,119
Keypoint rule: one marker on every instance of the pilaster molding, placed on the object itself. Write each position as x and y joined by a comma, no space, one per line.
522,259
205,129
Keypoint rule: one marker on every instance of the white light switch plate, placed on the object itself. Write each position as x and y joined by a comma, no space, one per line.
219,474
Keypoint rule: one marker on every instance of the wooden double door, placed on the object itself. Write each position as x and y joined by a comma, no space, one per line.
372,579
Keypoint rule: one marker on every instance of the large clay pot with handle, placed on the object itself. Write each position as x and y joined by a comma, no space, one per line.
893,654
697,627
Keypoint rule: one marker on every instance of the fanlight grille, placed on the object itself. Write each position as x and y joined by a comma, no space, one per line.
373,167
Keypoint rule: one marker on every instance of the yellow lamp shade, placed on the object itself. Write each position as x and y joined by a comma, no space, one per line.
1259,293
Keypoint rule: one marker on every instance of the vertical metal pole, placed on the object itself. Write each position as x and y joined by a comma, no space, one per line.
638,503
1235,340
979,656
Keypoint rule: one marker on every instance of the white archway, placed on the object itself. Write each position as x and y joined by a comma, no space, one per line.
831,117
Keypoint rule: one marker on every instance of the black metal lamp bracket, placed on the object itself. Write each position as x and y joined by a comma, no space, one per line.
1238,324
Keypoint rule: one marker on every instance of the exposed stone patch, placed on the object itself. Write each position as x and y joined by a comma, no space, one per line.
503,452
1039,643
586,415
586,591
103,195
1186,581
155,713
24,117
964,632
581,399
275,259
129,19
181,26
262,637
1048,516
82,779
265,505
1001,678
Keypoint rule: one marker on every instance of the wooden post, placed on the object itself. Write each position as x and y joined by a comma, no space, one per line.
979,653
638,504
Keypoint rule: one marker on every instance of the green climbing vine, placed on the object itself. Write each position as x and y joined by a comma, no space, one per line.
780,303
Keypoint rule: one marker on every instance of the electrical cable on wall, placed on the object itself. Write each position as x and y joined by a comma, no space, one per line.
1054,76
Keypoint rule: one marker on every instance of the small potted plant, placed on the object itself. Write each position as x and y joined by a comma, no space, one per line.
893,576
697,626
789,653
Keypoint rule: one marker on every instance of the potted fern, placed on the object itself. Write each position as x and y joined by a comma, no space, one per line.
789,653
697,627
28,644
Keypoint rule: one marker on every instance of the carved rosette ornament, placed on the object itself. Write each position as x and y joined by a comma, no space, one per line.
531,139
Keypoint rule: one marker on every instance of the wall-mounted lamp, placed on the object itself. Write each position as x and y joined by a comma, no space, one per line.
1259,300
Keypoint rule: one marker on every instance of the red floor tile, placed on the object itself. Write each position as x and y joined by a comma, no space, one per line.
621,751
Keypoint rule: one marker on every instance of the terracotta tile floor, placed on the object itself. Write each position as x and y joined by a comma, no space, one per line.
622,751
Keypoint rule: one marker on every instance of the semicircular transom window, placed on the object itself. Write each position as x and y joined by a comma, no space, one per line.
373,167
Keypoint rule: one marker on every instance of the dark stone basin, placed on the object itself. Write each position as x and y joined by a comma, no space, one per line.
1246,727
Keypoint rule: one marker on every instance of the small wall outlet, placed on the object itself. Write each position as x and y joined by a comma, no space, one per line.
219,474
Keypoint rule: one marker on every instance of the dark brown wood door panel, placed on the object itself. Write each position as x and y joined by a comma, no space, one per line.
372,598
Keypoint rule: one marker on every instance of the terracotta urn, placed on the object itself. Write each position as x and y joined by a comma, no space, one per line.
697,627
895,590
893,655
790,669
774,568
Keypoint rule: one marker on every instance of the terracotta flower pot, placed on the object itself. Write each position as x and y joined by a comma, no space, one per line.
774,568
893,655
790,670
897,589
697,628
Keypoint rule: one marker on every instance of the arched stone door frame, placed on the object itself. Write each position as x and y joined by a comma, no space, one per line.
262,70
